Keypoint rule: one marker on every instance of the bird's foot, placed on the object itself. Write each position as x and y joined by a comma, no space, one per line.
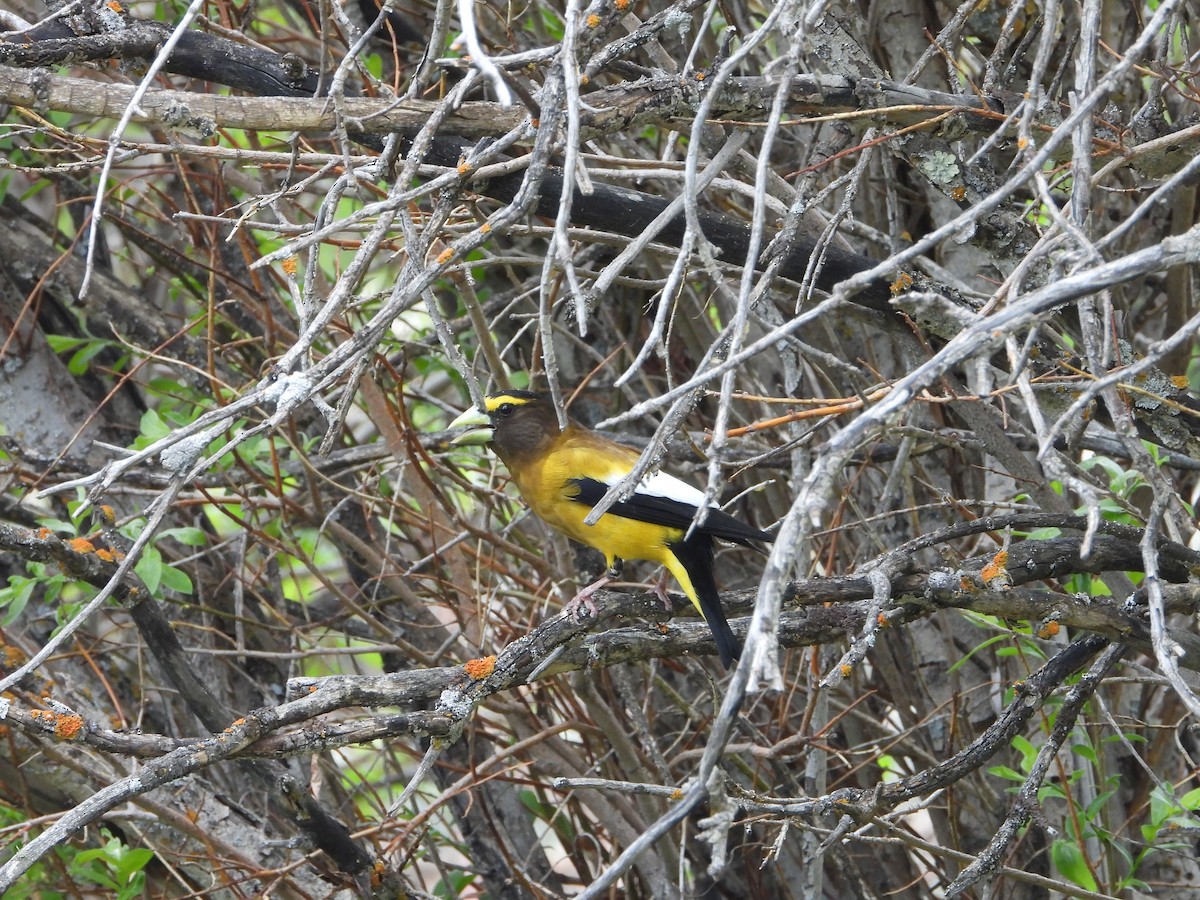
660,591
583,600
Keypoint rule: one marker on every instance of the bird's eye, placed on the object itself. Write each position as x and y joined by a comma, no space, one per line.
505,409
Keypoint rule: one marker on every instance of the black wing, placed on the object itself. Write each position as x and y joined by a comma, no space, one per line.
659,510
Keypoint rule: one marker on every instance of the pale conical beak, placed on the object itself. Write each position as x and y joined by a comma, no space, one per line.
480,427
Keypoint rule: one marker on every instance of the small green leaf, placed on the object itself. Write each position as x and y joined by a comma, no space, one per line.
82,358
1163,804
15,597
176,580
992,640
150,569
1028,752
132,860
1006,772
1047,791
152,427
1093,808
188,536
1190,800
1069,861
61,343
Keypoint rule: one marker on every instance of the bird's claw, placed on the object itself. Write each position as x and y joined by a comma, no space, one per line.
660,591
583,600
582,607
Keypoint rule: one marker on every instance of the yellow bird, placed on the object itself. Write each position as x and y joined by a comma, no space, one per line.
563,472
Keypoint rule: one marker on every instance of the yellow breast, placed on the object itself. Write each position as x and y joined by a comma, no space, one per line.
545,484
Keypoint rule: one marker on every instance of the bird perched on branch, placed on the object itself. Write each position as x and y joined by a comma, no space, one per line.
563,472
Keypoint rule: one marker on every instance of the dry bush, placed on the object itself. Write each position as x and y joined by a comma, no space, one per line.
913,285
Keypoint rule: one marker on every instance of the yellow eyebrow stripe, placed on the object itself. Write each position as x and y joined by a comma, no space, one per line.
495,401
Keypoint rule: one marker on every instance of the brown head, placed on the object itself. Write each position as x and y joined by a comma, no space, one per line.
518,423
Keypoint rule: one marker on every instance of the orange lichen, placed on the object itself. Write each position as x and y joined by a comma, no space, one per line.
593,21
485,228
445,256
1180,381
44,534
378,870
902,283
621,5
289,265
11,657
478,669
846,670
81,545
995,573
115,6
67,727
1049,630
958,194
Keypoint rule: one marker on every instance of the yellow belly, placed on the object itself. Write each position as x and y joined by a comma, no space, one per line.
620,538
547,489
545,484
614,536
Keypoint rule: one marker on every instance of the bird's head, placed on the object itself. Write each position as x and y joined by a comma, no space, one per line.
515,422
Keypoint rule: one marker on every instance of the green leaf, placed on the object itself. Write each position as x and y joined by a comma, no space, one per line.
58,526
1050,790
1006,772
1163,804
61,343
15,597
188,536
152,427
1028,752
1044,534
1129,736
1190,800
132,860
992,640
176,580
1069,861
82,358
1093,808
1084,750
150,569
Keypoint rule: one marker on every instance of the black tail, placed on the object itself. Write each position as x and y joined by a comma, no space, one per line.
696,555
721,524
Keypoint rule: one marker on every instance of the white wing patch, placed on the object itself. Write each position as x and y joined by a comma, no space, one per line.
660,484
657,484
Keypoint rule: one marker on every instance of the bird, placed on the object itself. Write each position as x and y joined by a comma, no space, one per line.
562,473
